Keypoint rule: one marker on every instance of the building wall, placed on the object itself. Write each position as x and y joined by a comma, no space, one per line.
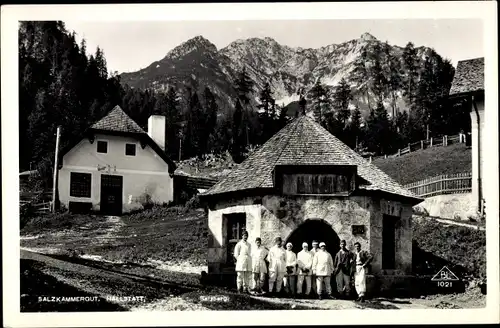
144,173
272,216
217,226
477,144
454,206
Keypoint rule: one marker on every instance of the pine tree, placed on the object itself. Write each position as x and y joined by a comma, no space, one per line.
411,65
320,100
378,79
237,140
244,86
210,118
361,75
267,117
342,97
394,74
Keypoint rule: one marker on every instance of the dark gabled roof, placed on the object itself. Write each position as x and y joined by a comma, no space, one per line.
303,142
469,77
117,122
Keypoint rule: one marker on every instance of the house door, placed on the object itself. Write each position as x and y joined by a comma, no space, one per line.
111,194
389,242
236,224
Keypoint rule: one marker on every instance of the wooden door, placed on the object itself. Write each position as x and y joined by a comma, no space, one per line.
236,224
111,194
389,242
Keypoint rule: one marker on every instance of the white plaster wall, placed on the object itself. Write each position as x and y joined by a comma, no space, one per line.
455,206
475,146
144,173
216,226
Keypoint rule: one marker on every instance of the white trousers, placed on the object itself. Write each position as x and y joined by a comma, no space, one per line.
300,282
275,277
243,279
360,280
319,284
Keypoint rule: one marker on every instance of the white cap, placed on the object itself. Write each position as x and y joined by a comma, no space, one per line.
305,244
289,244
322,244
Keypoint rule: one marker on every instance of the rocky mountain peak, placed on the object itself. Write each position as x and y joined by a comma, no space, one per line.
367,37
196,43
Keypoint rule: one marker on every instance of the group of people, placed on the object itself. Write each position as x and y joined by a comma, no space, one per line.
314,267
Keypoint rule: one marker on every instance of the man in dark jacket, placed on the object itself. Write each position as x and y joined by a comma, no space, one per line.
342,267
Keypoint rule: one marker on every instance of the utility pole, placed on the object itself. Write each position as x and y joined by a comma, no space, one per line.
54,184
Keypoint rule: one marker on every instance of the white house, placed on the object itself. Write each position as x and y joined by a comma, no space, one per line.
116,166
468,84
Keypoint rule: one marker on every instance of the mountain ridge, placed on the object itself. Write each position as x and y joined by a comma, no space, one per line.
197,63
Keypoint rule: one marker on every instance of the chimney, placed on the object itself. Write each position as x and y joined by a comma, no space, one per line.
156,129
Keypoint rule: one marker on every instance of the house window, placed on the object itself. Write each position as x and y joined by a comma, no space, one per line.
80,184
102,146
130,149
236,224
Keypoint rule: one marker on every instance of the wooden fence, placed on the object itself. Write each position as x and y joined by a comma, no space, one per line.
442,184
424,144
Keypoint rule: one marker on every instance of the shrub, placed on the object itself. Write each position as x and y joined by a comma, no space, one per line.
193,203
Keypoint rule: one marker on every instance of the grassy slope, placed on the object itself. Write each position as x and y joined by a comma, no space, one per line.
427,163
462,249
160,234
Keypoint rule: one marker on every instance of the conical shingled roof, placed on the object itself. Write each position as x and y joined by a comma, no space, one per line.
303,142
117,121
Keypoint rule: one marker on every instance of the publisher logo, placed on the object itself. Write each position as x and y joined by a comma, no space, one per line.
445,278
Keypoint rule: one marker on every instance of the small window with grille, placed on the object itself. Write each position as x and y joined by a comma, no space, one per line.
130,149
102,147
80,184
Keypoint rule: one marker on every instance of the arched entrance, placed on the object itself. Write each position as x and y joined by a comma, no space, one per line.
318,230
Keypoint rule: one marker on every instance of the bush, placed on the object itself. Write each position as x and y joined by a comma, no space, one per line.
458,246
193,203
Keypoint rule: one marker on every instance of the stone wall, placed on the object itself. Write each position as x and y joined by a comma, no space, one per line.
217,225
272,216
282,215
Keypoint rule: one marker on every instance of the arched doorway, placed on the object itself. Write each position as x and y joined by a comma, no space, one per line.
311,230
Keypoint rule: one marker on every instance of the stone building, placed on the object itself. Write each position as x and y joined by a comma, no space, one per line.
468,86
305,184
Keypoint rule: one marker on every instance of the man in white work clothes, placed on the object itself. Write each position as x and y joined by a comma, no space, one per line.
323,269
304,261
277,265
242,255
259,266
314,250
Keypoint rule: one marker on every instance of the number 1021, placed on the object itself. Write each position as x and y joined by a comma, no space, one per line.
445,284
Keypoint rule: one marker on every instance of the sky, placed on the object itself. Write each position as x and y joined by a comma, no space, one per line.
130,46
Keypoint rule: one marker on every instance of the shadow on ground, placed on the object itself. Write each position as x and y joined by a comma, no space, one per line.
35,285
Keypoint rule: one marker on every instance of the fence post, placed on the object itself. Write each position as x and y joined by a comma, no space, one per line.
421,144
399,152
370,159
443,141
446,138
409,147
385,156
431,142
